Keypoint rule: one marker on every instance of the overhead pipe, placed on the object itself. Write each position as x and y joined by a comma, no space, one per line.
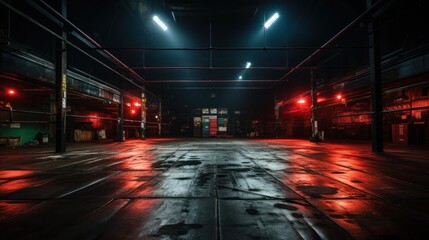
92,41
208,81
68,42
74,46
364,15
217,88
146,49
219,68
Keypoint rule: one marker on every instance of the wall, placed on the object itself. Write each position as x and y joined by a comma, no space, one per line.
26,131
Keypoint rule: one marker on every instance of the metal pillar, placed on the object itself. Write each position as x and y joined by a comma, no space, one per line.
314,123
120,124
376,83
143,116
160,118
61,84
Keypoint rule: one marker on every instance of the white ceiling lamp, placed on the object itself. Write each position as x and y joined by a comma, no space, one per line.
271,20
160,23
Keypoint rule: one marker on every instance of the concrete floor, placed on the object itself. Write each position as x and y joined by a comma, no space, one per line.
214,189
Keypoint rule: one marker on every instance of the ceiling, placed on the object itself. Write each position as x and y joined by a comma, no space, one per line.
208,43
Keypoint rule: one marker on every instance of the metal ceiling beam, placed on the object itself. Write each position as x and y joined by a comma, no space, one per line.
370,11
87,42
220,68
209,81
88,38
68,42
218,88
146,49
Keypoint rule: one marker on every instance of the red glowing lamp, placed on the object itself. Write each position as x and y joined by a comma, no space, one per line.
11,92
133,111
339,97
301,101
137,104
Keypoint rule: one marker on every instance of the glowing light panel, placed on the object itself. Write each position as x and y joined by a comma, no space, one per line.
271,20
248,64
160,23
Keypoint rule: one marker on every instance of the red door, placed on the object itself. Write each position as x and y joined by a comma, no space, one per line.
213,126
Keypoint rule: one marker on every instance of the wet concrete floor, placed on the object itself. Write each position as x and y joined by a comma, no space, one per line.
214,189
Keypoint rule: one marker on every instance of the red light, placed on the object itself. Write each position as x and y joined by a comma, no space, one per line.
339,96
128,104
301,101
137,104
11,92
133,111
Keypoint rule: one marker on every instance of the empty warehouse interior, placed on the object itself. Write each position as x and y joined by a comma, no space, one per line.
178,119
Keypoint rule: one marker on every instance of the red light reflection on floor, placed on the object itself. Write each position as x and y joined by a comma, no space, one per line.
9,208
7,174
15,185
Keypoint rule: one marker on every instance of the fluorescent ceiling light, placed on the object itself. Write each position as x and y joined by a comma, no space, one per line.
240,77
248,64
270,21
160,23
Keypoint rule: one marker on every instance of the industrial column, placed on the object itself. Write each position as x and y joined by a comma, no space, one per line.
314,128
120,124
143,116
160,118
61,83
376,84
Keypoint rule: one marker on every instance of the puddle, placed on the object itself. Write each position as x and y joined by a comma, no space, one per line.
297,215
228,165
254,189
285,206
203,179
188,163
316,191
160,164
252,211
237,169
183,178
178,229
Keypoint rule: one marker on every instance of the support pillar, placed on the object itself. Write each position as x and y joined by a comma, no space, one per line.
314,122
143,115
160,118
376,83
120,123
61,84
